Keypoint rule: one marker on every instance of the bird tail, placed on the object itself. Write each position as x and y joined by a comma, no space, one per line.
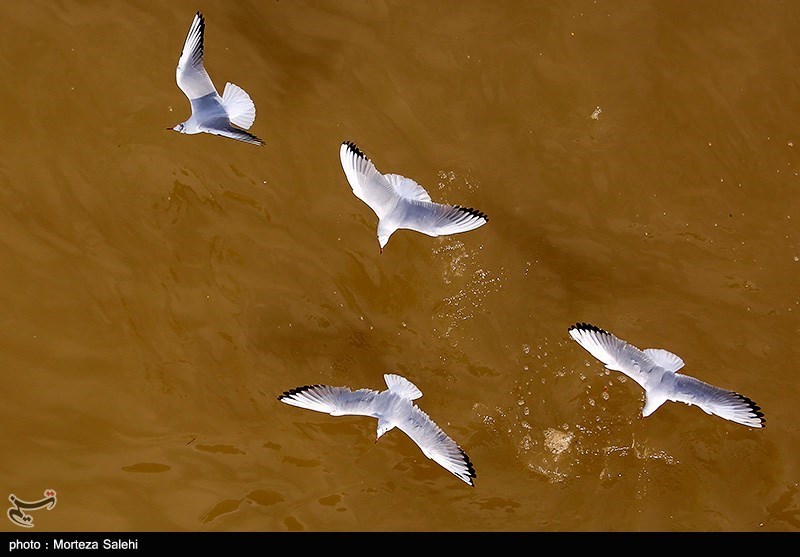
402,386
239,106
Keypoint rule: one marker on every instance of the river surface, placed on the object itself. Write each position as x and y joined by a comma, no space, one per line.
639,163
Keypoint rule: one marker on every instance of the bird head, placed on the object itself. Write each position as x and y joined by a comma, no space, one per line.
383,239
179,128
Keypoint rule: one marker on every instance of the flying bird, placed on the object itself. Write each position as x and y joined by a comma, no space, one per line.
229,115
400,202
393,408
656,371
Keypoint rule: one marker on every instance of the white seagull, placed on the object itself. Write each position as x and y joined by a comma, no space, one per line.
400,202
393,408
210,112
656,371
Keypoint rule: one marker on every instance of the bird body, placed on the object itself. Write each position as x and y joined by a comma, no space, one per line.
393,408
656,371
228,115
400,202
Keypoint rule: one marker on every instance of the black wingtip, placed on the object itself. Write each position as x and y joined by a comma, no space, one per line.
261,142
473,212
297,391
244,136
754,408
198,56
257,141
470,467
587,327
354,148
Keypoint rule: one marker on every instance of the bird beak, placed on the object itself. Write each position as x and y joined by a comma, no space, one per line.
380,251
168,129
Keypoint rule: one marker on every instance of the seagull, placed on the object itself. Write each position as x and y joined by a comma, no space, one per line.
210,112
393,408
655,370
400,202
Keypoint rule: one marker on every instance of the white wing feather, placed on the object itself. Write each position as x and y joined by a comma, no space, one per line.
369,185
190,73
437,219
437,445
715,400
615,353
336,401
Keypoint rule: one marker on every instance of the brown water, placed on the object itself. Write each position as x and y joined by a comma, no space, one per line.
159,291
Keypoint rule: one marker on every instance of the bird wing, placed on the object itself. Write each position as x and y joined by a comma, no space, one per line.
190,73
615,353
336,401
369,185
436,445
715,400
226,130
436,219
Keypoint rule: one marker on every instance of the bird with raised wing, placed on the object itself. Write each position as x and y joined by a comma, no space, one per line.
229,115
400,202
393,407
656,371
